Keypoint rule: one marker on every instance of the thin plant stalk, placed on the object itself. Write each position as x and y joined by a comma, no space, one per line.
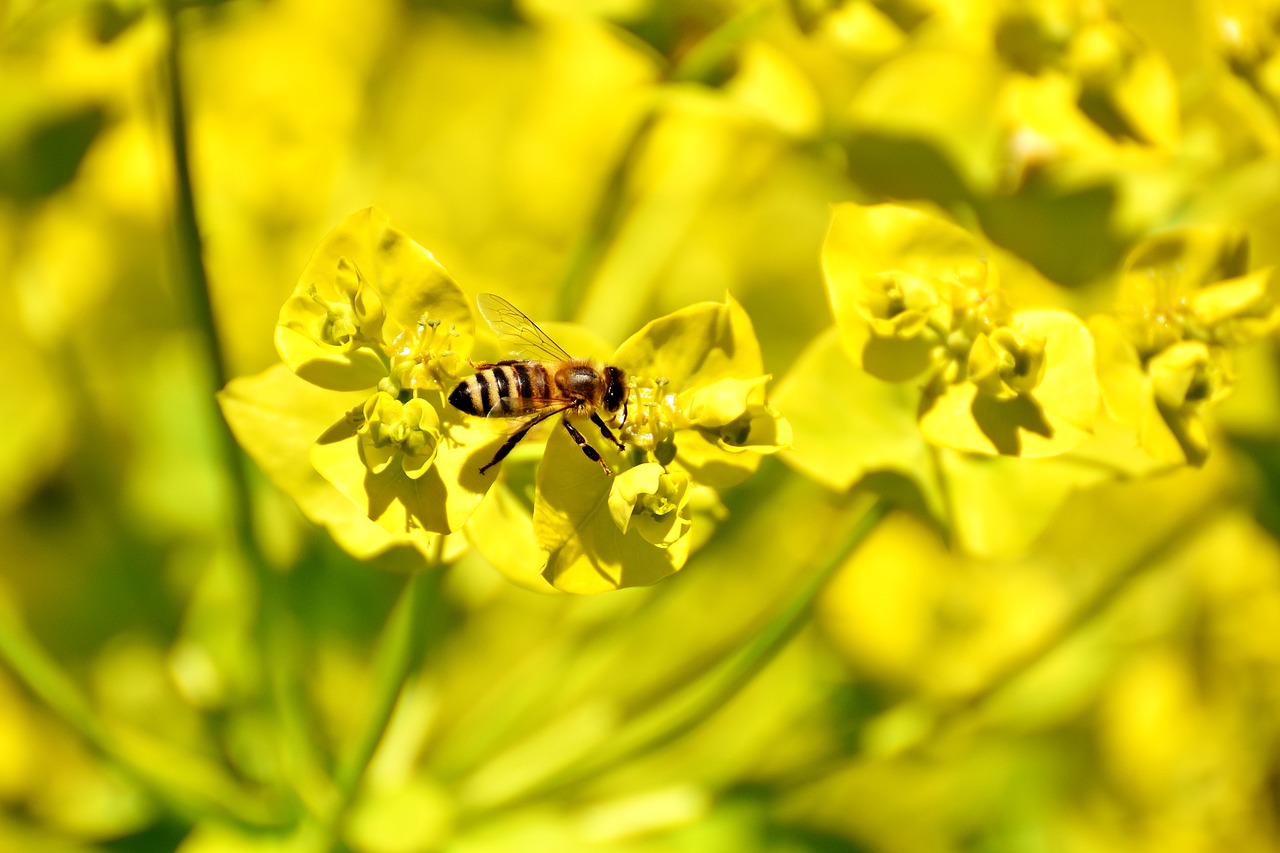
186,785
396,653
272,637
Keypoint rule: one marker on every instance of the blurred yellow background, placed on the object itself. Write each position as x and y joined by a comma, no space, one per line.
1106,679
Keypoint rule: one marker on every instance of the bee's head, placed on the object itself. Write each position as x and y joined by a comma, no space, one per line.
615,390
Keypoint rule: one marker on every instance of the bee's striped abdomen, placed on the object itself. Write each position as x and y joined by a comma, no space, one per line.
503,389
531,380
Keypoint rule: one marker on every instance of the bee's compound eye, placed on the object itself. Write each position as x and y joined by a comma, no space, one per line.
615,392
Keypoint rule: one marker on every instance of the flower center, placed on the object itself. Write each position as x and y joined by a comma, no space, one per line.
423,356
652,418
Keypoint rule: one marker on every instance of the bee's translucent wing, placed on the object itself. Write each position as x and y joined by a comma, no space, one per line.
501,421
518,331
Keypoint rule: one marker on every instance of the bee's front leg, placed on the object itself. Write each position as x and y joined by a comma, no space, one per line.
581,440
605,431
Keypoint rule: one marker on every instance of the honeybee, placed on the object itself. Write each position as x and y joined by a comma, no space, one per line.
550,383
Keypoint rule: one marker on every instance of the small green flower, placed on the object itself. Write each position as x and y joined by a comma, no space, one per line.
697,394
654,501
731,413
1189,374
1006,364
329,329
424,357
407,431
1193,283
897,304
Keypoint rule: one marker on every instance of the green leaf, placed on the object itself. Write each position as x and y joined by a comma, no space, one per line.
42,145
953,114
694,346
998,506
399,818
1126,88
723,401
501,530
1128,393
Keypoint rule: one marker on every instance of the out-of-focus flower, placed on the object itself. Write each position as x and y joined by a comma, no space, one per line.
916,300
1187,300
934,373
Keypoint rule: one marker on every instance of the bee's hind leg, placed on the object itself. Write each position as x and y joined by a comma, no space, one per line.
511,442
590,451
605,431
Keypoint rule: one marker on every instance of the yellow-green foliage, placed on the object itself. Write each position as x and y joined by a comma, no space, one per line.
944,510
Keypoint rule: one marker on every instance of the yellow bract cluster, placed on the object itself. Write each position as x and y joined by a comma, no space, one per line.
696,423
377,323
377,319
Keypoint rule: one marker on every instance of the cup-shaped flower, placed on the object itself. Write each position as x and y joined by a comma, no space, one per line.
338,315
393,431
1194,283
896,304
1006,364
375,319
653,501
1235,311
366,284
1189,374
732,414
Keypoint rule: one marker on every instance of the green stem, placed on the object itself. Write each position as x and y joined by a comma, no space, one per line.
697,66
691,708
929,722
184,784
393,661
1097,603
395,654
273,639
604,222
715,49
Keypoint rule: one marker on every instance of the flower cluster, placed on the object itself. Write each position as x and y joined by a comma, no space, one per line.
917,300
696,423
1165,354
380,334
995,412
